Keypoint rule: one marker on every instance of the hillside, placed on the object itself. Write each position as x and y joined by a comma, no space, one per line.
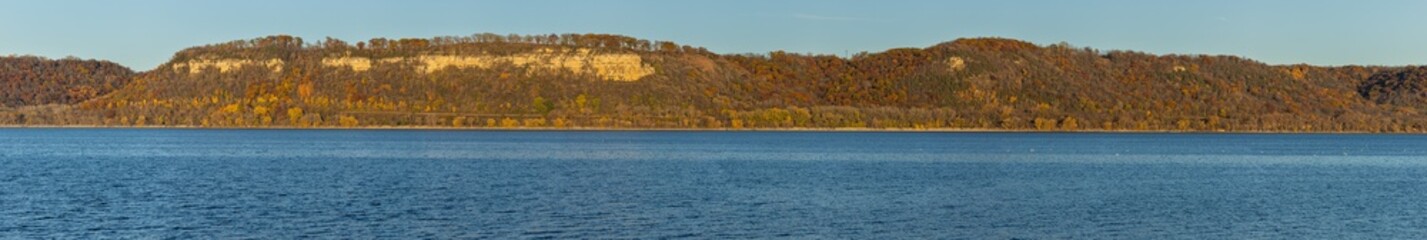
610,81
44,87
29,80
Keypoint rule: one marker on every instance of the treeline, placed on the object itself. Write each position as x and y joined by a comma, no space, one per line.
1401,87
992,83
304,91
980,83
30,80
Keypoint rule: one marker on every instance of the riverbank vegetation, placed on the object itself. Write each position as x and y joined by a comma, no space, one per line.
610,81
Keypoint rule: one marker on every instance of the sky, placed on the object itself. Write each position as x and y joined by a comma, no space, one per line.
142,34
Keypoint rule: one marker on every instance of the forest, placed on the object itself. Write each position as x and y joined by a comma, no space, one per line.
604,81
30,80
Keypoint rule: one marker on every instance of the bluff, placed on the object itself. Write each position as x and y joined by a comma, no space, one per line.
595,80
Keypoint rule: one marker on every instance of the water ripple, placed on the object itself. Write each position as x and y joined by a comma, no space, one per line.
461,185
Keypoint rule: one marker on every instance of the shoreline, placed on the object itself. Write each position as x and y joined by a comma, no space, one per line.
616,129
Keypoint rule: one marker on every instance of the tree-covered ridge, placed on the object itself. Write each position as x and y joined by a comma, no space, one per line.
30,80
595,80
1400,87
281,81
993,83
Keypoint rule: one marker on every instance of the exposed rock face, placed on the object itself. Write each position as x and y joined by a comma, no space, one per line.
955,63
355,63
613,67
225,65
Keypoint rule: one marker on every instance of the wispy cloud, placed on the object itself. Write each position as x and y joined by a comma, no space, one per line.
813,17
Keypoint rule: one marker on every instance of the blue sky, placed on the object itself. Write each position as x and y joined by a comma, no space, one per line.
144,33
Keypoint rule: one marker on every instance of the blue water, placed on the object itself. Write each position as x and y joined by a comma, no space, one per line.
264,184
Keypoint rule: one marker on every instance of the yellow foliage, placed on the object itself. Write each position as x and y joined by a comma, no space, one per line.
319,102
347,121
1045,124
231,108
714,123
1069,123
509,123
304,91
295,115
580,101
1298,73
603,121
535,122
261,110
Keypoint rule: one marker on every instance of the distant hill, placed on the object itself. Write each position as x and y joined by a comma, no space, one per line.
29,80
610,81
40,90
1405,87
